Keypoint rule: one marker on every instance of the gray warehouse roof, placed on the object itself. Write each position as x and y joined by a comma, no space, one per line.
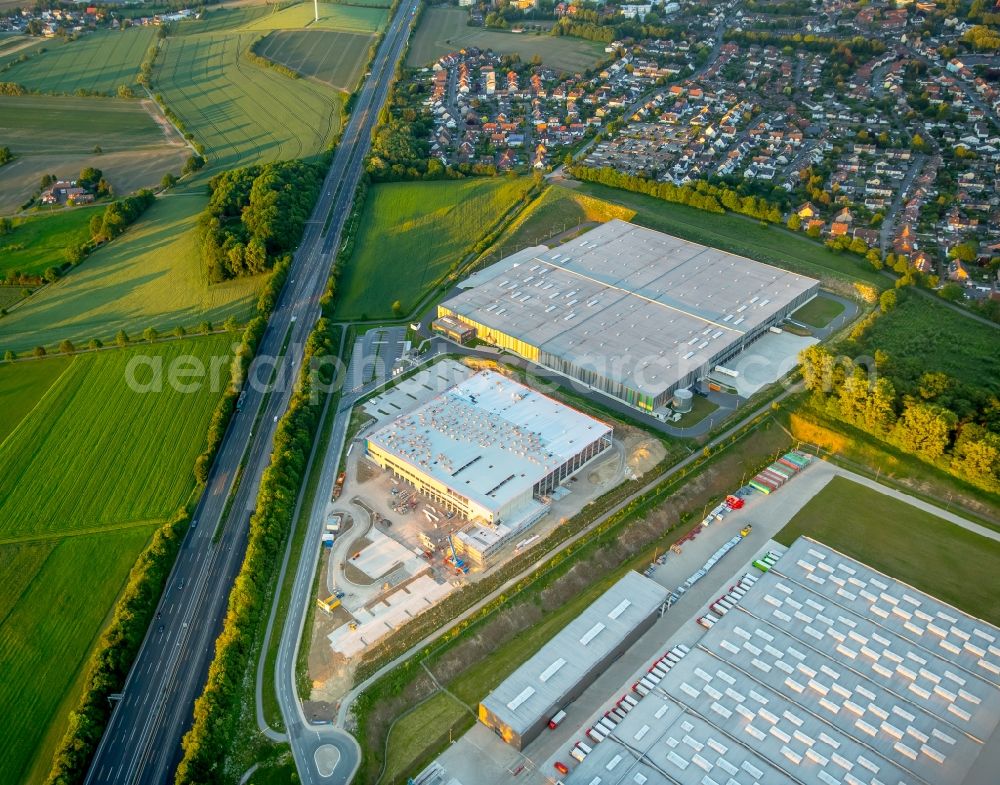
558,666
641,307
795,686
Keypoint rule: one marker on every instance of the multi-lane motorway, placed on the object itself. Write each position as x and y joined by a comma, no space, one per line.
142,742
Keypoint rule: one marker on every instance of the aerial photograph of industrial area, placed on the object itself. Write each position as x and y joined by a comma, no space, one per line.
500,392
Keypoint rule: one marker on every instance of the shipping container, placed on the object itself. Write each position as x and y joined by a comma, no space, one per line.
760,487
596,734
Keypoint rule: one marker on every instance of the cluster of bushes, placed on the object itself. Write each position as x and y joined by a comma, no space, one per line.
119,215
12,88
211,733
254,215
702,195
6,156
939,421
264,62
117,648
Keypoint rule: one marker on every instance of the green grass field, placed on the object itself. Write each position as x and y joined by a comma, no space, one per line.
91,468
57,135
332,16
41,241
728,232
99,61
21,386
442,30
924,335
336,58
410,236
243,113
819,312
151,276
931,554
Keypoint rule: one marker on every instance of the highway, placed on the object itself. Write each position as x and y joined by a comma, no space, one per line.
141,744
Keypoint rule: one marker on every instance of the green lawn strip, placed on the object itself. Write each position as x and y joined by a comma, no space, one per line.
41,241
819,312
701,407
917,547
22,387
441,717
739,235
46,638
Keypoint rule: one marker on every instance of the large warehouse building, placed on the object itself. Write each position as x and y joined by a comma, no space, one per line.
522,705
490,449
626,310
826,673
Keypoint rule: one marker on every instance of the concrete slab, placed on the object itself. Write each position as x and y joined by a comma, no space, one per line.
765,361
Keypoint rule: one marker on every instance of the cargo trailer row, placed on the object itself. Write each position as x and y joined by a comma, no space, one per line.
780,472
731,598
767,561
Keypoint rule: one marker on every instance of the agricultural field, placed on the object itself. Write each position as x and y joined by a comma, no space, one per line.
338,59
411,235
41,241
442,30
14,45
733,233
78,505
332,16
151,276
99,61
57,135
955,345
928,552
241,112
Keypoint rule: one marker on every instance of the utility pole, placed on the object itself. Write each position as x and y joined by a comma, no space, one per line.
316,10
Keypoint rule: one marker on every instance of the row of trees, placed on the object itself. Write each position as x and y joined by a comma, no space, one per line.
254,215
701,194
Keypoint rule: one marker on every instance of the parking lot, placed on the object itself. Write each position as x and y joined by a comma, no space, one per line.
481,757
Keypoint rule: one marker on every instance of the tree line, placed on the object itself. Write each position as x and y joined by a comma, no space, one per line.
935,418
254,215
699,194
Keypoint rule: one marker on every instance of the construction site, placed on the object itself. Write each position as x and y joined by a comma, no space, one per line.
401,537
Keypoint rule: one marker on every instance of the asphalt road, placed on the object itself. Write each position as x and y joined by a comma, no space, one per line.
325,754
142,742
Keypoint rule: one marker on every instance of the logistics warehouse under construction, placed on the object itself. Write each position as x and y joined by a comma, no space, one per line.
629,311
492,450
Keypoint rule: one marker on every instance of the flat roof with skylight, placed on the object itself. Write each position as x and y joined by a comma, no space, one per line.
640,308
555,672
805,682
489,439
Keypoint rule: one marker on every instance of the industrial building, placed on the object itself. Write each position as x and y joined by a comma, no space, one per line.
522,705
827,672
632,312
491,450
